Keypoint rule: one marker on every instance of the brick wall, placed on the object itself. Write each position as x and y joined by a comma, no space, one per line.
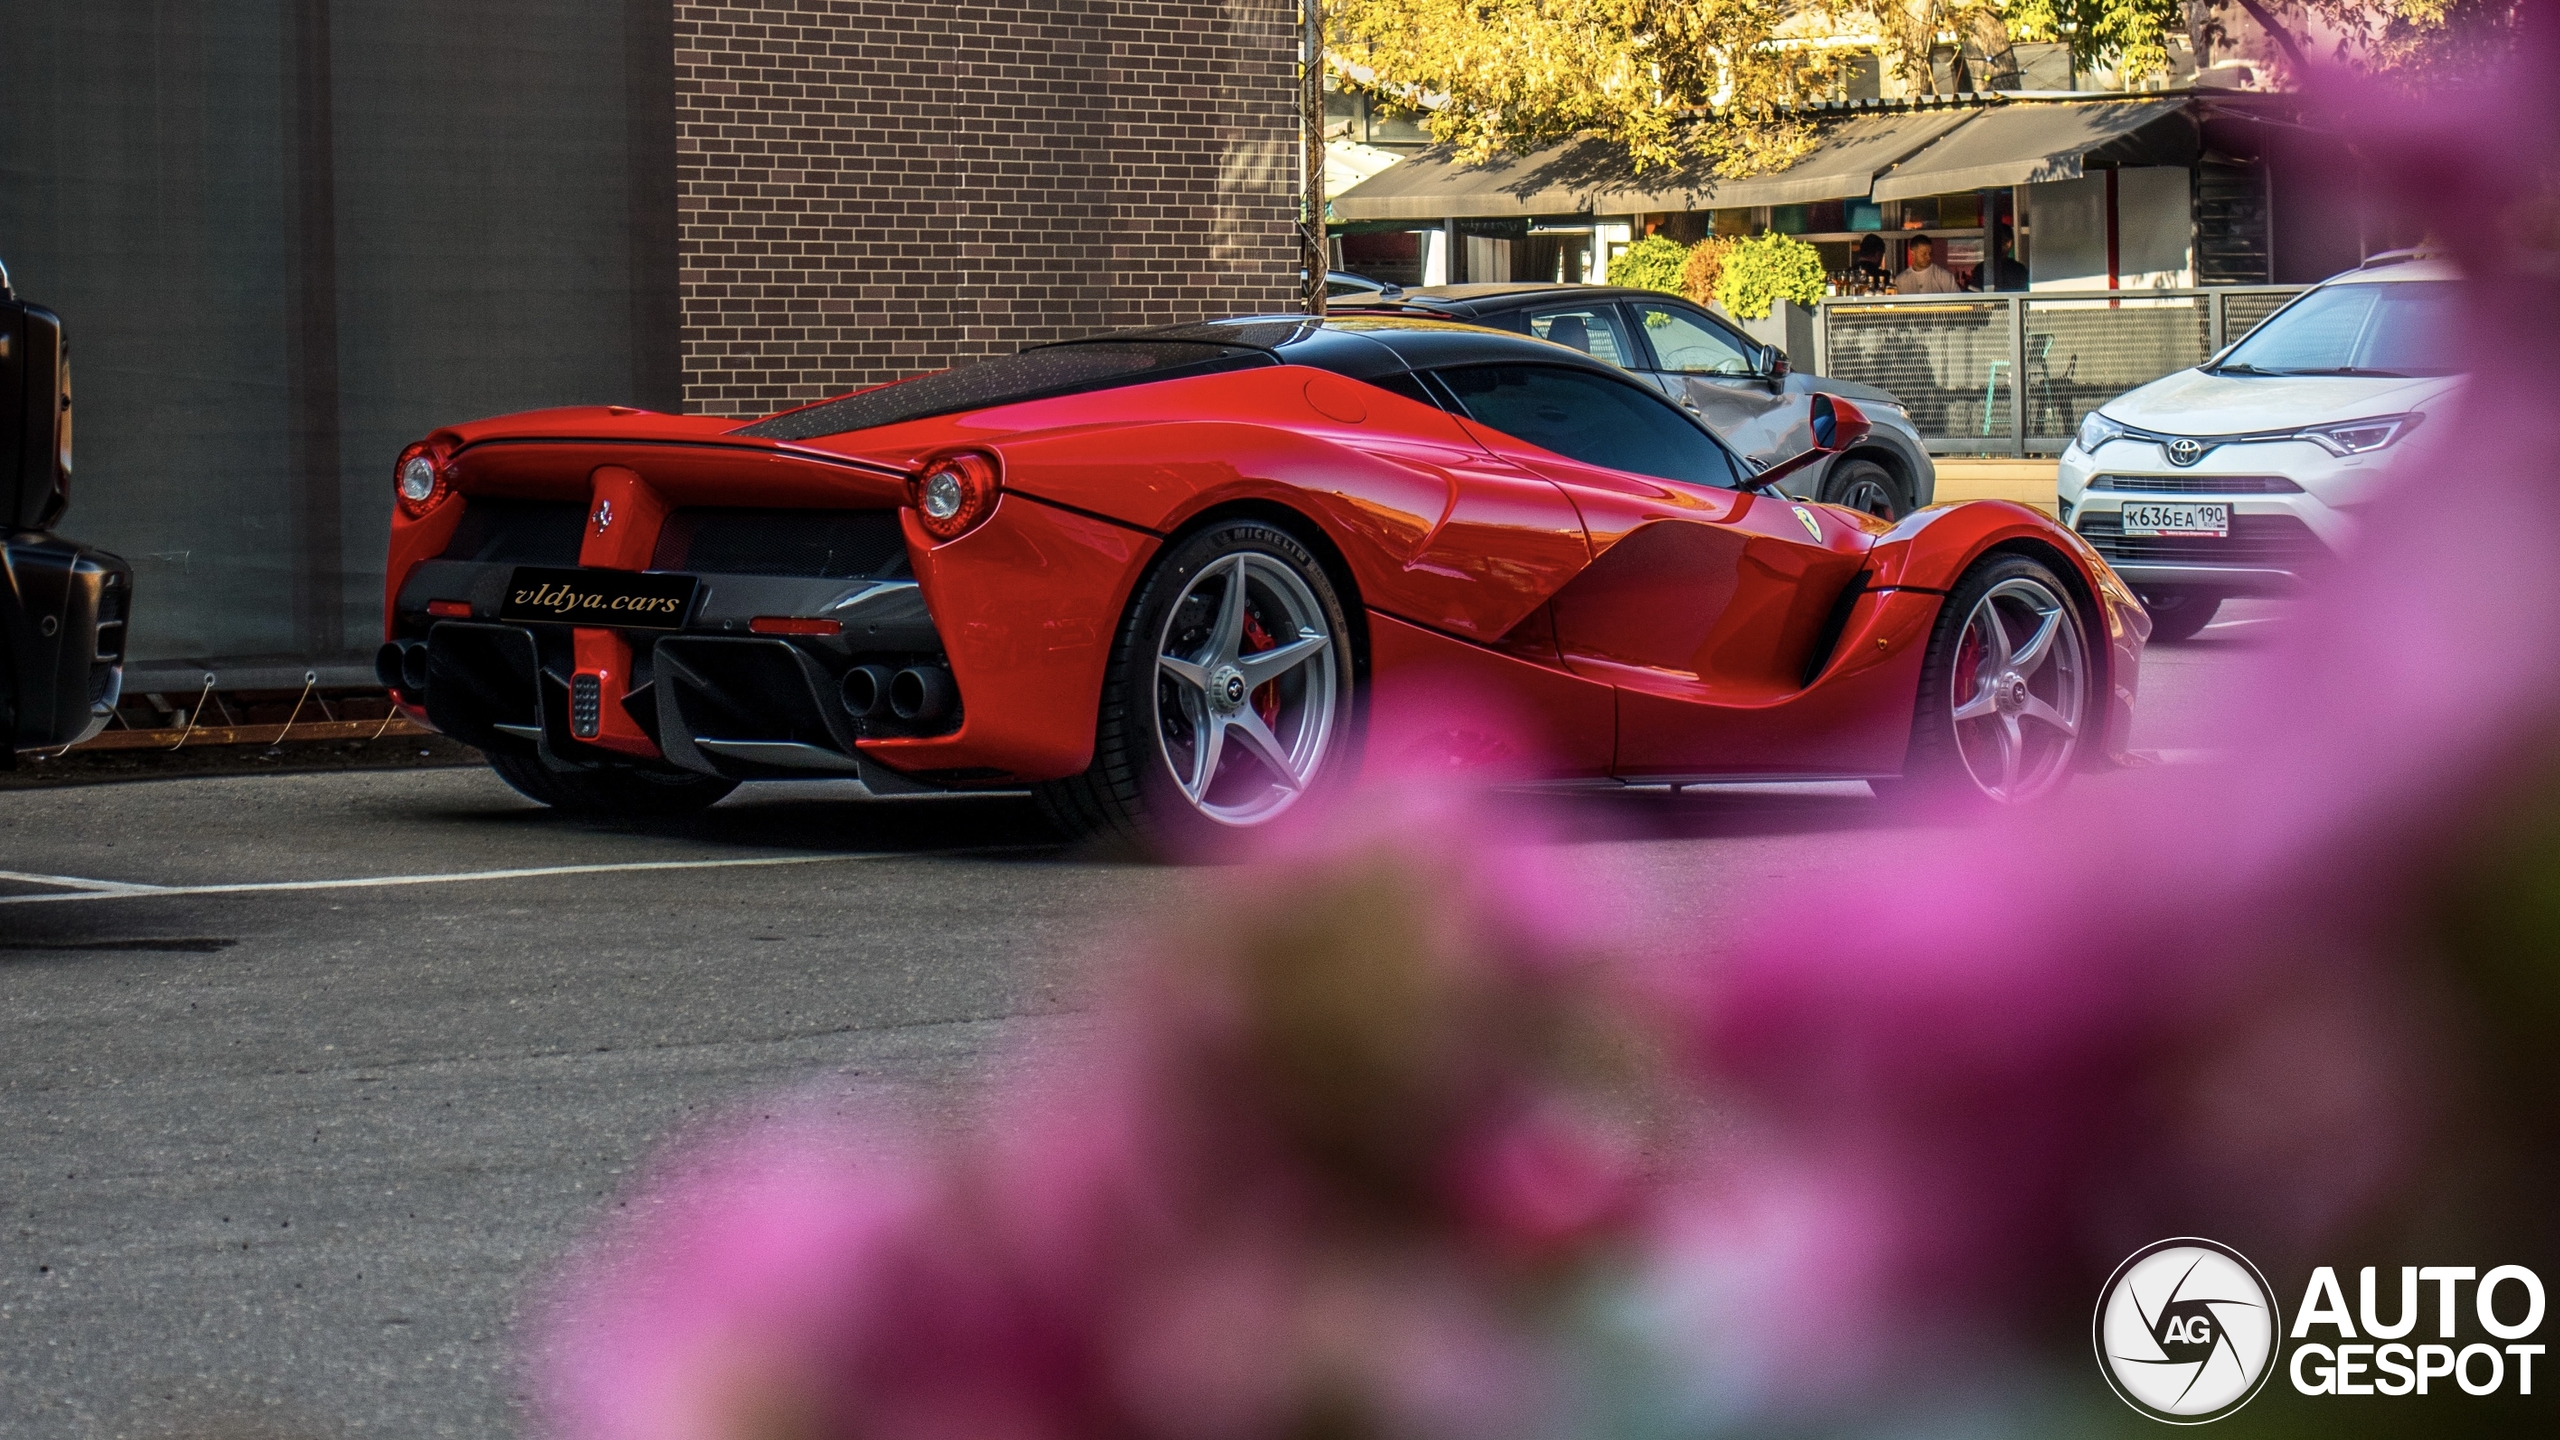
866,190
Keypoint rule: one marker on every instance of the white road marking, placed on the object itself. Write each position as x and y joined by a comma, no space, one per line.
74,882
83,889
2246,620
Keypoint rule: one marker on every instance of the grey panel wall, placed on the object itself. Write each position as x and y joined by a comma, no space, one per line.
288,237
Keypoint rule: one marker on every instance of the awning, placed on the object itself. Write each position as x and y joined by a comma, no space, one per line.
1434,185
1593,177
1852,153
2024,142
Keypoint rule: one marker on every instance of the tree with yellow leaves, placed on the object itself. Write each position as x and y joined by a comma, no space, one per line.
2416,42
1710,82
1518,74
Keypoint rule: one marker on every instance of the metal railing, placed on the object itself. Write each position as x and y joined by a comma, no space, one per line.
2013,374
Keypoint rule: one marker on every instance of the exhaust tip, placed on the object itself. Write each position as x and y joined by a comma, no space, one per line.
402,665
920,693
866,691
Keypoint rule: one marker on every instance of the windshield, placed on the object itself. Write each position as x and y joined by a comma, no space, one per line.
2402,327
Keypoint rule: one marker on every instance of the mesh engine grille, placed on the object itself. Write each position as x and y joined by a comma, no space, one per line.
821,544
518,532
2278,541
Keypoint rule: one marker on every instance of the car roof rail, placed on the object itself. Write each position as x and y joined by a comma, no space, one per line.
2403,256
1390,305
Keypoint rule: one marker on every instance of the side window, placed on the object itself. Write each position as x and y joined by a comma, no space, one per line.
1581,415
1591,329
1688,345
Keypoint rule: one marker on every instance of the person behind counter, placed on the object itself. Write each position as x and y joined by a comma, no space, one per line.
1869,273
1926,276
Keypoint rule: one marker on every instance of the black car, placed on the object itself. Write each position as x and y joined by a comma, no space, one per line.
1743,389
62,604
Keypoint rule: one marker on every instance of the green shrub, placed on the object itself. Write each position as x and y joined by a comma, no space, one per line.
1652,263
1759,270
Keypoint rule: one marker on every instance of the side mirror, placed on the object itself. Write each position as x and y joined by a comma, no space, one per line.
1769,363
35,417
1837,425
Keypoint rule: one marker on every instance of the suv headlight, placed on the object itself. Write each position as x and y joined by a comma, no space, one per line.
2096,430
2362,437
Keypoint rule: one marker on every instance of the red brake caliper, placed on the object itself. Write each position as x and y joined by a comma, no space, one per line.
1968,662
1266,701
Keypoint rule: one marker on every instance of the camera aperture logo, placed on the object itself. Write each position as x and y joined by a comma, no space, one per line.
2186,1330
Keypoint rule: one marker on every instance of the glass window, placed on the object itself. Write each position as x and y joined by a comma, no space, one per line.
1408,386
1036,374
1591,329
2403,327
1581,415
1691,346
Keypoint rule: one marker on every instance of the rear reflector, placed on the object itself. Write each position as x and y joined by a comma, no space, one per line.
449,609
794,625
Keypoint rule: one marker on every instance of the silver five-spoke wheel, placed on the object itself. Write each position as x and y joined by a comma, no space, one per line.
2017,690
1228,699
1245,688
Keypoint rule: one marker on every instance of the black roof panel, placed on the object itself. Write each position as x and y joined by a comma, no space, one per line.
1366,344
1359,346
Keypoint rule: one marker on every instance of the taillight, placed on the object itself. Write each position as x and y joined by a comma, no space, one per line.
422,479
794,625
953,493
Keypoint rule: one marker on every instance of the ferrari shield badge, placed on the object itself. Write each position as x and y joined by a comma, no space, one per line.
1812,526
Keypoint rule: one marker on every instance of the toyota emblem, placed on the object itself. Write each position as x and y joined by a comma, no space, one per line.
2183,451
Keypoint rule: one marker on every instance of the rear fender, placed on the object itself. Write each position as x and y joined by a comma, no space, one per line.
1028,605
1431,528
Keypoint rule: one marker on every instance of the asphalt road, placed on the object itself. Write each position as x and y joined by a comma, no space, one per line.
282,1158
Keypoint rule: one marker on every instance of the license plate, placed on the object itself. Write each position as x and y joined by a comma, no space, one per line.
620,599
2153,517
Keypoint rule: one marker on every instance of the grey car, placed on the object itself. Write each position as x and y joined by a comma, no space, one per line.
1743,389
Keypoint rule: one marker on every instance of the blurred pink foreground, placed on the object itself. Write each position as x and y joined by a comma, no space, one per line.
1402,1155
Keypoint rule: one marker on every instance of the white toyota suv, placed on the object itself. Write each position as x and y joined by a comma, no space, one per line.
2241,475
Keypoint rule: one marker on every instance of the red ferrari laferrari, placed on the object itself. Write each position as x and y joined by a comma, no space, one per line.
1175,581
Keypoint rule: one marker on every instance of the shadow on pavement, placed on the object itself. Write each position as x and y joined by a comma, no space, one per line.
1658,814
775,817
849,821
